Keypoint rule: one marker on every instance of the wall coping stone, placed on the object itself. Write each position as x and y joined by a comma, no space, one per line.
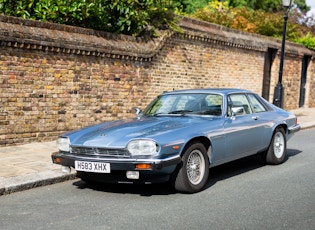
237,38
52,37
31,34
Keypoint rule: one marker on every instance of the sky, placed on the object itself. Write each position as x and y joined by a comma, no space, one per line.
311,3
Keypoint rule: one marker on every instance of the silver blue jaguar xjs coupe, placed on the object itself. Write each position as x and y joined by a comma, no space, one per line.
178,137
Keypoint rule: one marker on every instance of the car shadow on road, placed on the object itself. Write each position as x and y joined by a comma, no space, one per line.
141,189
217,174
241,166
292,152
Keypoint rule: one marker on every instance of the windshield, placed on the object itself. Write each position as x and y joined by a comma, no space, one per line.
184,104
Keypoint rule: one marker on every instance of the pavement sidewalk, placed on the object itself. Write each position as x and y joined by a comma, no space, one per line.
28,166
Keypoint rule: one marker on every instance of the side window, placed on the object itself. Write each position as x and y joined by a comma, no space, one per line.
257,105
238,104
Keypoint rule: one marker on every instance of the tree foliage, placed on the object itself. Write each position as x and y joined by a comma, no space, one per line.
190,6
255,21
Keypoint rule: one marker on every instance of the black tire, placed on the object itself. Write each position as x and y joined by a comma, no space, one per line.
276,152
193,173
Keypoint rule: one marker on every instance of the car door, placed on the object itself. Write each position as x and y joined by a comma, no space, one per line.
242,128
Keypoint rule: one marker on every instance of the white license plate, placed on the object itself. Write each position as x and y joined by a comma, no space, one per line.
87,166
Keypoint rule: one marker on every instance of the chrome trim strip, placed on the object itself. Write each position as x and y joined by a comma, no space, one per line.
294,128
131,160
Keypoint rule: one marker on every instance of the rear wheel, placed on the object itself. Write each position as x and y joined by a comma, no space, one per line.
277,149
194,170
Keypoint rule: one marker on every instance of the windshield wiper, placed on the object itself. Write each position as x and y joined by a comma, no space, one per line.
158,114
155,114
182,112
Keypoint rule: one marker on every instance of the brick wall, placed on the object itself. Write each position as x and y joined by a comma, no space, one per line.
196,64
44,94
55,78
310,89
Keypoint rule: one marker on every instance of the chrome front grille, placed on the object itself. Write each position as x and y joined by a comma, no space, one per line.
99,152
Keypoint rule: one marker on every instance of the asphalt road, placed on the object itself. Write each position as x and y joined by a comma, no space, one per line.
244,194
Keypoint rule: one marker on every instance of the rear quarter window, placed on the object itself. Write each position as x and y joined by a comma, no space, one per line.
258,106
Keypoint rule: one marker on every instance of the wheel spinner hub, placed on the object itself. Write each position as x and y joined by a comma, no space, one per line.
278,145
195,167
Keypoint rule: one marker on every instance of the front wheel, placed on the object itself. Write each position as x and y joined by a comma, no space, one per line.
277,149
194,170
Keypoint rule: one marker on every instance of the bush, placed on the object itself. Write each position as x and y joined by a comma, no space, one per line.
259,22
216,12
307,40
119,16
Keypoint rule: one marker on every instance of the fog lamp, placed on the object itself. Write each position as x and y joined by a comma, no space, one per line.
65,169
134,175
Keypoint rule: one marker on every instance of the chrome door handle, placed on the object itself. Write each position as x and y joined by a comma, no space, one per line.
255,118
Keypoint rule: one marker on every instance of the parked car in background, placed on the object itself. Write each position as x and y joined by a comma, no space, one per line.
178,137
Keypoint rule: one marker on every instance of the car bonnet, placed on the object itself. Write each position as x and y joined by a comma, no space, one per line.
117,134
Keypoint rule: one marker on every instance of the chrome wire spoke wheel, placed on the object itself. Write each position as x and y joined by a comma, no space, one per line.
278,145
195,167
193,173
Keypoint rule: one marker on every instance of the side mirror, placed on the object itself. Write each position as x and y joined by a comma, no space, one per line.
237,110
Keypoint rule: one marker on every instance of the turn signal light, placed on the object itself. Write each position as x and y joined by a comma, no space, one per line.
57,160
143,166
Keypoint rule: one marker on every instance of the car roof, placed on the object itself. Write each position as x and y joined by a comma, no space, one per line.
209,90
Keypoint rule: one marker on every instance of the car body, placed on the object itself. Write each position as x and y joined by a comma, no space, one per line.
178,137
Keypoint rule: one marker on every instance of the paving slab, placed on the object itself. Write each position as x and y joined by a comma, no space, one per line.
28,166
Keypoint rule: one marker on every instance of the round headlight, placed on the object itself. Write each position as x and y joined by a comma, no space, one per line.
142,147
63,144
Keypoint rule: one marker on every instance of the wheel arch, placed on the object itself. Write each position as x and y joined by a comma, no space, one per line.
282,125
203,140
